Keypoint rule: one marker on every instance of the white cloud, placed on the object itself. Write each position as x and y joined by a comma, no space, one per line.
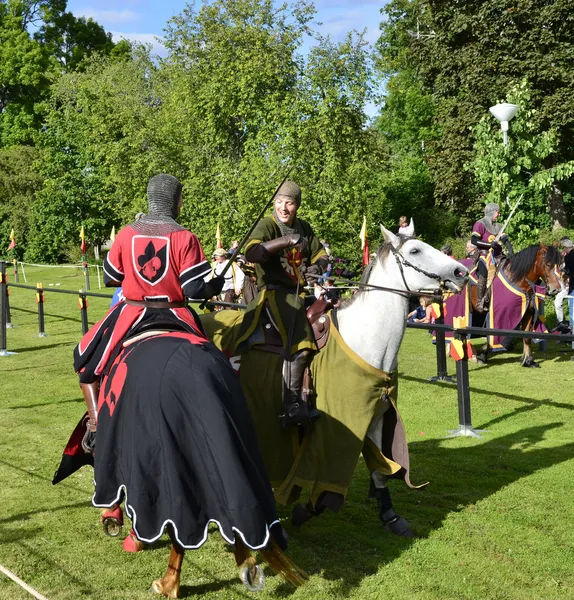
108,17
142,38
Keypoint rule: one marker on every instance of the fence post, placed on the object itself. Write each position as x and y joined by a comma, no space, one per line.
15,270
83,304
3,315
465,428
9,324
86,275
40,301
441,365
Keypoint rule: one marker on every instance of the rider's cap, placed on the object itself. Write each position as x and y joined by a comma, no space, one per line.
491,208
291,190
220,252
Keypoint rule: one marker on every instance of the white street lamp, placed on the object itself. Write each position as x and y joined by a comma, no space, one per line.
504,113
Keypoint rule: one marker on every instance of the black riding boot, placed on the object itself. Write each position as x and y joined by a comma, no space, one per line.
482,294
296,396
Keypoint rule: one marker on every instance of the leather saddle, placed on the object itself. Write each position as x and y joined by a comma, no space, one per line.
318,318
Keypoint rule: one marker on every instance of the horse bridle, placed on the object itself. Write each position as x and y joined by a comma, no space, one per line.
401,260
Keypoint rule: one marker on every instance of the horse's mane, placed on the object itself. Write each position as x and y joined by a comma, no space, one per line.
382,252
522,261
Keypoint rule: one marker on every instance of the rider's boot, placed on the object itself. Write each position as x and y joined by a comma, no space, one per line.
296,392
482,294
392,522
90,391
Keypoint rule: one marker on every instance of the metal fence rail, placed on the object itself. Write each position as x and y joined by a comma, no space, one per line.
463,334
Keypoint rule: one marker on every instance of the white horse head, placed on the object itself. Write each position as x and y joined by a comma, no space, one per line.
418,266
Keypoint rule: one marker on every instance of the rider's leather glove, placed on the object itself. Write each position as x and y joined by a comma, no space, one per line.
496,248
214,286
312,270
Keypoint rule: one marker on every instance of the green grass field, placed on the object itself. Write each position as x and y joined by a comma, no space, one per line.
494,523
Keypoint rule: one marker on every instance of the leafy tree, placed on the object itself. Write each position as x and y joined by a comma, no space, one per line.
468,55
19,180
518,171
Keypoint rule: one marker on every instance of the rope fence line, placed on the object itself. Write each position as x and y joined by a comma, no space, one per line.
461,334
22,584
84,266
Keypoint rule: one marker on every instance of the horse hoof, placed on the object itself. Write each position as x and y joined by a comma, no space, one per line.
252,576
300,515
399,526
531,365
159,586
132,544
112,521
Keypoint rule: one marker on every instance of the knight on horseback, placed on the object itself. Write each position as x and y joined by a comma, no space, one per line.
285,250
486,235
174,435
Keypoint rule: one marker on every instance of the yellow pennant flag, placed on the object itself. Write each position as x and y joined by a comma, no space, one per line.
218,238
12,240
113,234
363,233
83,238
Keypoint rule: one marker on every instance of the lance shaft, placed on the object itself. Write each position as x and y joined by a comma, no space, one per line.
248,234
501,232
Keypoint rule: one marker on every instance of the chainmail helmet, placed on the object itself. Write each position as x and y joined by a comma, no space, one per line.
490,209
163,193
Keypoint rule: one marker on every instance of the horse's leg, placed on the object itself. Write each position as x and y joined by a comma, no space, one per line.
112,520
168,585
527,359
250,572
379,490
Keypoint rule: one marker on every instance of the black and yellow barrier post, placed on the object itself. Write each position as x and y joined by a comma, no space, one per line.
83,304
3,314
40,301
9,324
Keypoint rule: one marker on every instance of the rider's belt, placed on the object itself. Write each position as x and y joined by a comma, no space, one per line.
156,303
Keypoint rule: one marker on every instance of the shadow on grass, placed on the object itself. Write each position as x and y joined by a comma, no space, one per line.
26,515
47,347
42,477
534,402
55,317
460,477
195,591
24,406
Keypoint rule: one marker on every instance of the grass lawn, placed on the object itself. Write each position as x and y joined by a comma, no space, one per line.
494,523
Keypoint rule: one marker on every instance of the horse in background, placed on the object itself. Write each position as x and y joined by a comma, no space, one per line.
513,303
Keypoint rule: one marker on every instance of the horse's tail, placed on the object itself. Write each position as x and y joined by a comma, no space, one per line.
283,565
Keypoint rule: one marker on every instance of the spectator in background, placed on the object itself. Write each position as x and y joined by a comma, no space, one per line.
234,245
568,252
447,249
423,313
233,278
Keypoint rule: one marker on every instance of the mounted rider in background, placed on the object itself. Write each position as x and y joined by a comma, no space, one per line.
484,236
285,250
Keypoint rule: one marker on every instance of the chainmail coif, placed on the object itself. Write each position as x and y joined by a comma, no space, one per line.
163,192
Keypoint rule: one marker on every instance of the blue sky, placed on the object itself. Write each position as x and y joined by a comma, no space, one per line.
144,20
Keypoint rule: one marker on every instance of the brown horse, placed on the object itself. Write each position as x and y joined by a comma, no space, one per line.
535,263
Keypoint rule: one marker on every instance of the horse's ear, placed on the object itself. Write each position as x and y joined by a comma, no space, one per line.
390,237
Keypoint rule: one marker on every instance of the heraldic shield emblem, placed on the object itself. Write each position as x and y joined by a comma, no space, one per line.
151,257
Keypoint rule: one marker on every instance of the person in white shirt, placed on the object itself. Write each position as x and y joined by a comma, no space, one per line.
234,277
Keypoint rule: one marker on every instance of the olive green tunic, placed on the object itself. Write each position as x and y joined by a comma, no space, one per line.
350,394
278,280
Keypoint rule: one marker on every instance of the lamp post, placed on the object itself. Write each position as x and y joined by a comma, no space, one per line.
504,113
